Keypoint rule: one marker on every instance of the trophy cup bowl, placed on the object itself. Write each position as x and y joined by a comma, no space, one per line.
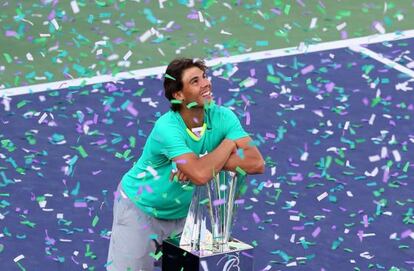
206,243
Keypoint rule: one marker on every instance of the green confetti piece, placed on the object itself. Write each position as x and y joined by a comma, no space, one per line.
337,243
405,168
82,152
7,57
125,104
283,255
170,77
100,3
108,263
21,104
287,9
156,256
204,201
273,79
95,221
174,101
192,104
21,266
332,198
1,248
28,223
262,43
75,191
241,171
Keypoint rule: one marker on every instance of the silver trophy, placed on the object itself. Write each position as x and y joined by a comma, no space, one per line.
206,242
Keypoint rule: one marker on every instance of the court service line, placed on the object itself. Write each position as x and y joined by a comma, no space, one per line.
142,73
380,58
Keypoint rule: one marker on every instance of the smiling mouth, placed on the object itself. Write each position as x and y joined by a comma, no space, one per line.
206,94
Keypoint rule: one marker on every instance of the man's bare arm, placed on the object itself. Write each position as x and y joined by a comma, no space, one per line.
201,170
247,157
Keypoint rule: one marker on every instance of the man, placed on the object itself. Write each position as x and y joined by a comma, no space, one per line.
187,144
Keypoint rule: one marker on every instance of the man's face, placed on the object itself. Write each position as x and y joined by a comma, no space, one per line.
196,88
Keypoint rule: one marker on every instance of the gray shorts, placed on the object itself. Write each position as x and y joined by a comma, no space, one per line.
135,236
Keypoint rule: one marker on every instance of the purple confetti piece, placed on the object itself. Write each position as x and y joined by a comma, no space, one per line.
365,220
316,232
239,201
219,202
132,110
406,234
11,33
247,115
329,86
307,69
80,204
256,218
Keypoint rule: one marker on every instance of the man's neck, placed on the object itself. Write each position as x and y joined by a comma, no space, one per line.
193,117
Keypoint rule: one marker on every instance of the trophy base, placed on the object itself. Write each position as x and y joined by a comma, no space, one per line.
175,258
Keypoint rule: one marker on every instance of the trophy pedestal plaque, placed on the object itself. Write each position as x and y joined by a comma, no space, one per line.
206,243
175,258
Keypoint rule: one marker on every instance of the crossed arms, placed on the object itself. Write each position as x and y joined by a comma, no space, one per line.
227,156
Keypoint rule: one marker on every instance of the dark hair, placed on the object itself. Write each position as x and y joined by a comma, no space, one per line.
173,76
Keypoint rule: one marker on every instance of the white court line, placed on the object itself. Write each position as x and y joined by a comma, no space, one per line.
379,57
139,74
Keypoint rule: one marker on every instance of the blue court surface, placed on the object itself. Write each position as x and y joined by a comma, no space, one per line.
335,130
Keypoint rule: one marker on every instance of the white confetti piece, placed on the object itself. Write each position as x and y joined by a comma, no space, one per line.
55,24
200,16
371,119
292,238
346,126
322,196
6,102
144,37
153,172
374,158
42,118
294,218
18,258
292,264
397,156
225,32
273,171
341,26
384,152
161,2
366,255
29,56
313,23
318,113
304,156
74,6
373,173
127,55
393,236
378,26
42,203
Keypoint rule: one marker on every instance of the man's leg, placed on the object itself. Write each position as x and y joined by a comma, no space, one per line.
130,243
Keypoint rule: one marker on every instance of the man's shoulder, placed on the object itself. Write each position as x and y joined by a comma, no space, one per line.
166,118
219,111
167,121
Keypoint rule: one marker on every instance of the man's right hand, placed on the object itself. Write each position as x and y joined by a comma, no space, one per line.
178,175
